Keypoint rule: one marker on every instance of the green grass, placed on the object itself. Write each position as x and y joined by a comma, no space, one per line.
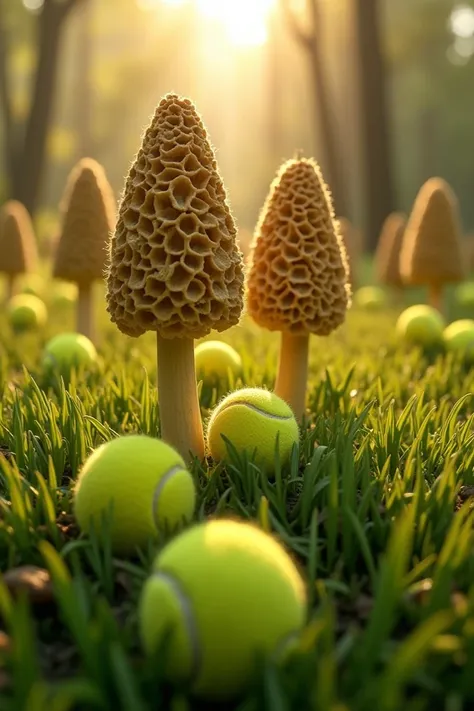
374,507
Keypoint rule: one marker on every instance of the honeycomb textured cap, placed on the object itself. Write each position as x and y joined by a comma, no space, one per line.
353,243
432,249
18,253
88,218
298,279
387,256
174,263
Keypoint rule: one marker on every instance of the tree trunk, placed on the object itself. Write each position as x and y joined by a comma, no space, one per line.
376,134
84,87
29,171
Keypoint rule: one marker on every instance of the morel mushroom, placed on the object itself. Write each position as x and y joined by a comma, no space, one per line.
174,263
432,253
387,255
18,253
88,218
298,281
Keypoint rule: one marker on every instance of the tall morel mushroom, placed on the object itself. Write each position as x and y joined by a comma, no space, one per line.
387,255
88,218
174,263
18,252
432,253
298,280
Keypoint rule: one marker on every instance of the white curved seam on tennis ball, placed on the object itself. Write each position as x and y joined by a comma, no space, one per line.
188,618
260,410
160,486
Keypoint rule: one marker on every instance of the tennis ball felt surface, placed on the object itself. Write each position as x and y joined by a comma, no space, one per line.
251,419
421,325
464,294
215,359
26,311
459,337
370,297
64,294
146,483
32,284
225,591
69,350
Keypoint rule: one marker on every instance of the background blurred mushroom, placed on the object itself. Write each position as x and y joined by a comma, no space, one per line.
387,255
88,217
298,281
18,252
175,266
432,252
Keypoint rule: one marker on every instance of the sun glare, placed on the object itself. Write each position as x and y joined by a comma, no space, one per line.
243,21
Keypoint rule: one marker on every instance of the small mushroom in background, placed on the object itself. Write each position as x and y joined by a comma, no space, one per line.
175,267
298,280
432,251
387,255
88,218
18,252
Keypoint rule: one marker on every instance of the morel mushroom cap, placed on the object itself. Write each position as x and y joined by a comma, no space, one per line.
18,253
432,249
298,279
88,218
387,256
175,266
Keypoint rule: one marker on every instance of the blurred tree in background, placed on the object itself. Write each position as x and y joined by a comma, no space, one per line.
25,140
381,95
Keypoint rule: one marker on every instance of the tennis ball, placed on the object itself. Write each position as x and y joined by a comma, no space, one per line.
223,592
370,298
421,325
215,359
33,284
464,294
26,311
64,294
146,483
251,419
459,337
69,350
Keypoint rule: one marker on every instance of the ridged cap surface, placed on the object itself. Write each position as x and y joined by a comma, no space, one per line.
18,252
432,249
175,267
88,218
298,279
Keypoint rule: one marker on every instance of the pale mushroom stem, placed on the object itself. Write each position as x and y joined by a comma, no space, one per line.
435,296
292,374
10,287
180,414
85,310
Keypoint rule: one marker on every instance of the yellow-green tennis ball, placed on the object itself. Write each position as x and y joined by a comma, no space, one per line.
459,337
26,312
421,325
215,359
33,284
251,419
69,350
370,298
464,294
145,485
224,592
64,294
